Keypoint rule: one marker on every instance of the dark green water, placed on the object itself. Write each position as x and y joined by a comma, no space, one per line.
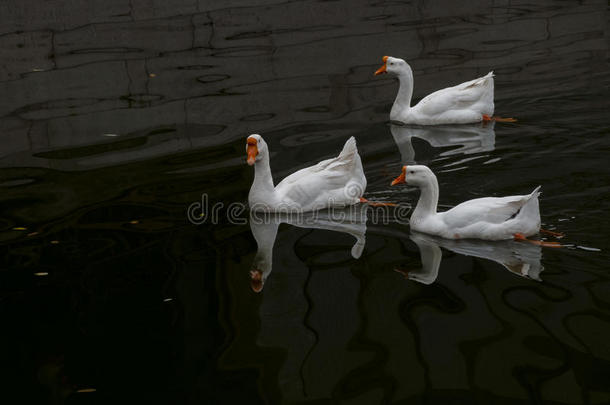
115,116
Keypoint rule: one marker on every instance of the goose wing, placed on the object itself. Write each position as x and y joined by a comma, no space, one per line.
492,210
457,97
330,171
325,181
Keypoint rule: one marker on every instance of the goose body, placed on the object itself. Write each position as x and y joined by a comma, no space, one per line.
336,182
468,102
489,218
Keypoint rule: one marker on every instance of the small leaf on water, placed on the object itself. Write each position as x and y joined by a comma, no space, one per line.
20,228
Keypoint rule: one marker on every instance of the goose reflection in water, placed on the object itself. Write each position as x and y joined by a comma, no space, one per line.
471,139
520,258
264,227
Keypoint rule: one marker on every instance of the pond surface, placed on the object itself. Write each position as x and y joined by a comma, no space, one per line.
116,116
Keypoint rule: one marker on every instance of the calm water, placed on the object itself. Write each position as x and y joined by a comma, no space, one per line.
115,116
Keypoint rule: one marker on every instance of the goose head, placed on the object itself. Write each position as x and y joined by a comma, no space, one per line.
415,175
393,66
256,148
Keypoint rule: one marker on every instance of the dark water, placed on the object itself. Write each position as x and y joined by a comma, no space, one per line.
115,116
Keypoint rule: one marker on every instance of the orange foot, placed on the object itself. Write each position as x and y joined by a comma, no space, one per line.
521,237
487,118
376,204
405,273
557,235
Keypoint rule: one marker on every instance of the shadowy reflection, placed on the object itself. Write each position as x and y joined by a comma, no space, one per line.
264,226
522,259
470,139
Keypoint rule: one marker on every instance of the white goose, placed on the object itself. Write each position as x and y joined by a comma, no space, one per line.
335,182
467,102
490,218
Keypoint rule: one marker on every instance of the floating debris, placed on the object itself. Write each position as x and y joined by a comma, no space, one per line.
16,182
41,273
20,228
32,233
168,299
135,221
152,75
111,135
588,249
84,390
54,242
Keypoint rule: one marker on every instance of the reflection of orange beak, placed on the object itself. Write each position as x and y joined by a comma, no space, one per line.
252,151
383,68
400,179
256,280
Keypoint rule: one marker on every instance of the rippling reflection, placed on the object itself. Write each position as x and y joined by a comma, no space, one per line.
519,258
129,110
463,139
264,228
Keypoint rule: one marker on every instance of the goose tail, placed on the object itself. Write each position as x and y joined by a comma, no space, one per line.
349,148
536,193
481,81
529,213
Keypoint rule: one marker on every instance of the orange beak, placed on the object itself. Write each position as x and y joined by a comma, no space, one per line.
383,68
400,179
256,280
252,151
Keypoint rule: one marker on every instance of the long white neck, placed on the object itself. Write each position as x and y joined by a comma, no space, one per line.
402,103
262,190
428,201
